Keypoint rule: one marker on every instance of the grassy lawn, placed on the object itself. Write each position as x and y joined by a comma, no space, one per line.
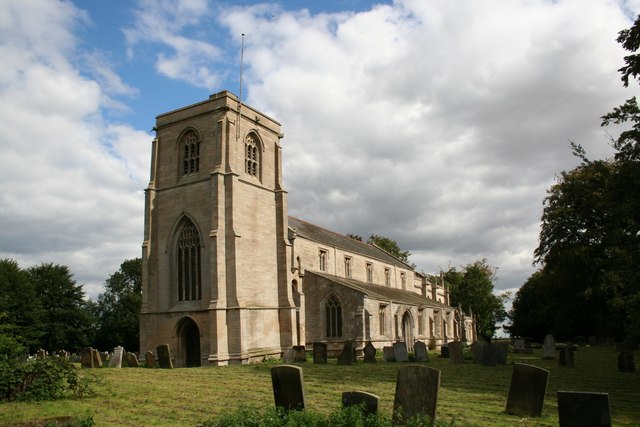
470,394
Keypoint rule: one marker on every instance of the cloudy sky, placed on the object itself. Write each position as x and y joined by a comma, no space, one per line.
438,123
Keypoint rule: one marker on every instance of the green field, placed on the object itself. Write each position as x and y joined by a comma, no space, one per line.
470,394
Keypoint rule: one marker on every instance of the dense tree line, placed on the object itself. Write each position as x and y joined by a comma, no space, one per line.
589,246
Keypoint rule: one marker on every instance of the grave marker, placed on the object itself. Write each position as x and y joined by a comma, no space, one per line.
477,350
549,347
149,359
456,354
566,358
299,354
116,358
97,360
319,353
288,387
416,393
289,355
388,354
400,352
626,362
420,350
369,353
444,351
132,360
86,357
347,355
581,409
526,393
164,356
368,401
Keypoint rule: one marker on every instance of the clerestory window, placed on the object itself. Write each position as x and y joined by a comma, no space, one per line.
188,278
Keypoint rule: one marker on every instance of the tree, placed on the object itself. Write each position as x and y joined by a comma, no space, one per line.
118,308
390,246
472,288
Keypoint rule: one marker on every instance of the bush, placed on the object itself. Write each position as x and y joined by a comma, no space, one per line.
41,379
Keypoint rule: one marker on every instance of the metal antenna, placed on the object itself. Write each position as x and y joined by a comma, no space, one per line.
240,96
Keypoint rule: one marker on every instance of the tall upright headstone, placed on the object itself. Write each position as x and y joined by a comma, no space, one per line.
566,358
164,356
416,393
420,351
477,350
527,390
549,347
347,355
582,409
319,352
97,359
149,359
86,357
369,353
456,353
388,354
400,351
288,387
626,362
116,357
299,354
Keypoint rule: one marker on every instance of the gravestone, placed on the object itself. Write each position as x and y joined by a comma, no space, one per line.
97,360
289,355
369,353
626,362
519,345
526,393
420,350
288,387
592,340
477,349
387,354
164,356
149,359
86,357
501,352
299,354
444,351
416,392
41,354
566,358
456,354
347,355
132,360
116,358
581,409
368,401
400,352
319,353
549,347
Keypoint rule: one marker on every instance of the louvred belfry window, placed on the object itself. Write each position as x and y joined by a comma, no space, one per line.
251,156
191,153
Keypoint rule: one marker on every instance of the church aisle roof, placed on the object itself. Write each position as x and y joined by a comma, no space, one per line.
382,293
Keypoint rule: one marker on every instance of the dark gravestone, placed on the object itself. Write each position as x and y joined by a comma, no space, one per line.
132,360
477,349
566,357
400,352
116,358
420,350
519,345
489,355
149,359
164,356
526,393
319,353
456,354
347,355
444,351
86,357
416,393
369,353
368,401
97,360
501,351
626,362
549,347
299,353
388,354
580,409
288,356
288,387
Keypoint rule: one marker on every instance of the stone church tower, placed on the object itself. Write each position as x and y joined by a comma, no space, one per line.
215,251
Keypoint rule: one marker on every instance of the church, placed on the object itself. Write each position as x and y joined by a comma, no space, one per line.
230,277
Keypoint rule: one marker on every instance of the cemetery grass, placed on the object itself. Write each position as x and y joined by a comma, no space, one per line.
470,394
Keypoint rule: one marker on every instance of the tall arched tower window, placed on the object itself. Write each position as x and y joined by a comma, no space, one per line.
333,314
252,156
190,145
188,262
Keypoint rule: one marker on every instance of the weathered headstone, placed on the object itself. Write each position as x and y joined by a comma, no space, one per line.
369,353
477,349
581,409
527,390
420,350
566,358
164,356
549,347
319,353
116,358
347,355
416,393
444,351
41,354
400,351
501,352
368,401
149,359
456,353
299,354
86,357
97,359
388,354
289,355
626,362
132,360
519,345
288,387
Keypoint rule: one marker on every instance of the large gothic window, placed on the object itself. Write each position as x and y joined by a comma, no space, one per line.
333,314
190,153
251,156
188,260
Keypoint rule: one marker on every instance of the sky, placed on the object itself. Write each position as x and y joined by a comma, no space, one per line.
440,124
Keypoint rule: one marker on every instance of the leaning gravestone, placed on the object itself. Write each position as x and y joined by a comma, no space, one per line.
400,352
299,353
86,357
566,358
416,393
132,360
456,354
420,350
626,362
288,387
347,355
149,359
581,409
116,358
527,390
388,354
369,353
319,353
368,401
164,356
444,351
288,356
549,347
97,360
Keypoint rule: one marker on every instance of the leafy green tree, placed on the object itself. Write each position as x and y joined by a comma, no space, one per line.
390,246
472,288
118,308
65,314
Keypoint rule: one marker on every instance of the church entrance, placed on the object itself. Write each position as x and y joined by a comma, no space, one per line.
190,342
407,330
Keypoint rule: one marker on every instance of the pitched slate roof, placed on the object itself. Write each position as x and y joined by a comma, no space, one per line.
382,293
333,239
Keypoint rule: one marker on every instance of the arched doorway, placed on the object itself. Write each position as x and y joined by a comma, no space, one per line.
190,342
407,330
